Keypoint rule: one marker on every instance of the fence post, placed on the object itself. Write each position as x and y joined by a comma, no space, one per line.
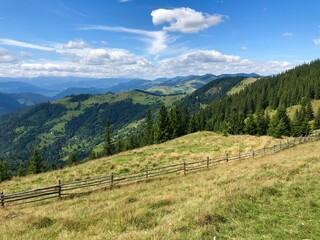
280,145
147,174
227,157
59,189
239,155
111,182
208,162
287,143
264,150
184,167
2,199
253,153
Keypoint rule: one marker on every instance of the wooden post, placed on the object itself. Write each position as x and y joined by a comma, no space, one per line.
287,143
147,174
253,153
227,157
184,167
2,199
59,189
264,150
239,155
280,145
111,182
208,162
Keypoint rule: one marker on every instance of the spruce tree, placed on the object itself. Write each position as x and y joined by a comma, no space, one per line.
108,145
162,129
36,162
4,171
184,121
316,123
280,123
309,111
148,129
72,158
261,122
250,125
175,122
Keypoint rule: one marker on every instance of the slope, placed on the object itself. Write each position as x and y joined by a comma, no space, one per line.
75,122
272,197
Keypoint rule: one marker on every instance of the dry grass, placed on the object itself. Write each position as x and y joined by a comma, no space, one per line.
188,148
272,197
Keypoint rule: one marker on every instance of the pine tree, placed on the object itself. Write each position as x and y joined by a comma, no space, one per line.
316,123
296,123
175,122
108,145
72,158
184,121
148,129
36,163
261,122
192,124
21,170
162,129
93,155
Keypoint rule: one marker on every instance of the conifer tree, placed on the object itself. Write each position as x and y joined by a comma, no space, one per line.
280,123
261,123
175,122
309,111
36,162
148,129
21,170
72,158
316,123
162,129
250,125
108,145
184,121
4,171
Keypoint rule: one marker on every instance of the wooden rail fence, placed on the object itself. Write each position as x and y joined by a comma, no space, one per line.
116,180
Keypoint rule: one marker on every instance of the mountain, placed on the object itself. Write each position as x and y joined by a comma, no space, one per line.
76,91
75,122
23,87
13,102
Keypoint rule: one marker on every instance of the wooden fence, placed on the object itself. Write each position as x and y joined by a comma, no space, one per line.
116,180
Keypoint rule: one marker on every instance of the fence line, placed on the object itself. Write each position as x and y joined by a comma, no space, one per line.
116,180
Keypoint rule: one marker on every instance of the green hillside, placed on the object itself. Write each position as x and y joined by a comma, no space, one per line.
241,85
73,123
271,197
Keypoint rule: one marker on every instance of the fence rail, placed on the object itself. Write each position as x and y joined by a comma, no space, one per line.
115,180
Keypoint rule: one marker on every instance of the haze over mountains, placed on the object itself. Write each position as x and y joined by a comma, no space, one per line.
17,93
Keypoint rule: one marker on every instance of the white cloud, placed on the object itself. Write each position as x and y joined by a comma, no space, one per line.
287,34
103,42
185,20
243,48
210,61
113,62
156,39
78,44
6,57
316,42
10,42
124,1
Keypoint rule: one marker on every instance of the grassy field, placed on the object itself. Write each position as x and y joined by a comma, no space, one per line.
193,147
241,85
271,197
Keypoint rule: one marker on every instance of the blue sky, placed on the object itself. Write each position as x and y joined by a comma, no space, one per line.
153,38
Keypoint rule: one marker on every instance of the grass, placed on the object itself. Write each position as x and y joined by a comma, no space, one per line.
272,197
188,148
241,85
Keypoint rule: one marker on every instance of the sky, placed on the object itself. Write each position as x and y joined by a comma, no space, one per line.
155,38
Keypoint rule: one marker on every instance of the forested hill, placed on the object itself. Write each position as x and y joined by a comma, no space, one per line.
294,87
75,123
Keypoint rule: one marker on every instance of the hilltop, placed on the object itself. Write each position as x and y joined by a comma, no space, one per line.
275,196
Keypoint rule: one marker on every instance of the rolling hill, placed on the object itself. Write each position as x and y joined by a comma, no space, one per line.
73,123
267,197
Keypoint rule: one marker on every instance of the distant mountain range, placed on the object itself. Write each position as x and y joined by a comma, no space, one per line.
17,93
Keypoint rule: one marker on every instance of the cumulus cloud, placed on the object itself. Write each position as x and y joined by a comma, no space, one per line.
6,57
210,61
243,48
185,20
156,39
316,42
79,44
